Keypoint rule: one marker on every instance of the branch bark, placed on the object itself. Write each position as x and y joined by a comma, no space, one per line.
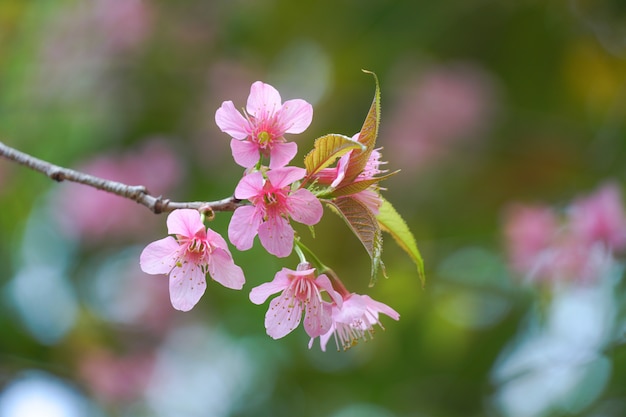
137,193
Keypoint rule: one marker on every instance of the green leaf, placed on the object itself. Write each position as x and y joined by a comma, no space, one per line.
367,136
326,150
357,186
365,226
391,222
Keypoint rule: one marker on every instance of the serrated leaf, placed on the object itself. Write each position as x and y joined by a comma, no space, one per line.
358,186
391,222
367,137
363,223
326,150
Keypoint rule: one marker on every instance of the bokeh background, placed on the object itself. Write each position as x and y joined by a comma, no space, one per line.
488,108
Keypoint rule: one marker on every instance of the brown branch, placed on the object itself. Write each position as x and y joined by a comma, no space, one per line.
137,193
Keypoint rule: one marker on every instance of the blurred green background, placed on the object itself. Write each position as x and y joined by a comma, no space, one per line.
484,103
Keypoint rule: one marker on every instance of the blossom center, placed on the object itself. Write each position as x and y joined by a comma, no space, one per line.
264,138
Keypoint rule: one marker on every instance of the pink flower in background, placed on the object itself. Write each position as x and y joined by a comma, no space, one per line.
529,232
354,319
93,215
124,24
600,217
301,292
436,111
259,132
187,259
578,247
274,202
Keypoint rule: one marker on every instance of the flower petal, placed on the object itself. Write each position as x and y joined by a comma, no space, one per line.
264,100
317,317
159,257
282,153
283,315
323,282
281,280
304,207
243,227
187,285
379,307
282,177
245,153
295,116
250,186
230,121
276,236
223,270
184,222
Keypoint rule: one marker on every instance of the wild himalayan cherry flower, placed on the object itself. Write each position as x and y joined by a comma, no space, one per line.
259,132
301,292
354,319
187,259
336,175
274,202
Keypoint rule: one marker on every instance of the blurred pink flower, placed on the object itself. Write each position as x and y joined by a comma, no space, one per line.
435,111
529,231
94,215
124,24
301,292
600,217
274,202
263,124
578,247
116,379
354,319
187,259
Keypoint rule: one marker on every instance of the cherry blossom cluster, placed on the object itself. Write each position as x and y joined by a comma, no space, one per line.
575,245
342,172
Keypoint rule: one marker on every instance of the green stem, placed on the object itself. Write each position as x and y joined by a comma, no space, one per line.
301,248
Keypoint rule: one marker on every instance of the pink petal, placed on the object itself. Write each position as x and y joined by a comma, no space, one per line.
223,270
187,285
283,315
305,208
325,337
276,236
295,116
230,121
264,100
159,257
282,177
184,222
243,227
282,153
250,186
317,318
215,239
380,307
245,153
281,280
342,166
323,282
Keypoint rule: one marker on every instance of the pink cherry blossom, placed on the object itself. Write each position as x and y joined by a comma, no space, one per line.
354,319
187,259
273,203
335,176
600,217
301,292
260,130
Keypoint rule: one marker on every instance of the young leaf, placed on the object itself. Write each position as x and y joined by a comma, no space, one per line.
367,137
364,225
391,222
326,150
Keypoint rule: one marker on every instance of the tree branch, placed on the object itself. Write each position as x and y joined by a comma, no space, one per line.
137,193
